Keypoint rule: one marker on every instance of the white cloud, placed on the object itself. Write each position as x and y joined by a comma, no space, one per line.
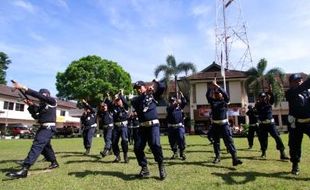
118,21
37,37
202,10
61,3
25,5
280,48
299,13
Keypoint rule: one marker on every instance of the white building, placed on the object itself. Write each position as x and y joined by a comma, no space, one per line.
239,99
14,110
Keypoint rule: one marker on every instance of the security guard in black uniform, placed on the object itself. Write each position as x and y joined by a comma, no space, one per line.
105,117
133,125
120,130
89,125
267,124
176,130
253,125
298,97
218,99
149,131
45,114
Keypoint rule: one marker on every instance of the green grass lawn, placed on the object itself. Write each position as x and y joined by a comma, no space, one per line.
197,172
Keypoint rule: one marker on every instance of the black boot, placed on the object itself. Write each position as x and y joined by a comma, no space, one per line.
117,159
263,154
162,171
174,156
217,159
54,164
87,151
283,155
182,156
144,172
126,159
295,169
104,153
18,174
235,160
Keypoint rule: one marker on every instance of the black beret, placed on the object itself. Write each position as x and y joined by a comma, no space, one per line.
138,84
294,77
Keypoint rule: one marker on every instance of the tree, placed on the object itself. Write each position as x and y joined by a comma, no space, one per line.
258,80
172,69
91,78
4,62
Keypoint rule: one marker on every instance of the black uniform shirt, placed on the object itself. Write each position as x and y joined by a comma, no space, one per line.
46,111
145,104
175,112
88,118
133,121
218,107
264,109
120,114
105,117
252,116
299,100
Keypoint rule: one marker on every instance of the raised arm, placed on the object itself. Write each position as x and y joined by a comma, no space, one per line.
159,90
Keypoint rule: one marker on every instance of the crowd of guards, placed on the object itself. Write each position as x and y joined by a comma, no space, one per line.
138,124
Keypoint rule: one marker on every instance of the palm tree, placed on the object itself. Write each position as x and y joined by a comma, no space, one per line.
172,69
258,80
4,62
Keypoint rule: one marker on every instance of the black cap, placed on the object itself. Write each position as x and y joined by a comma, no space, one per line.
43,90
262,94
294,77
138,84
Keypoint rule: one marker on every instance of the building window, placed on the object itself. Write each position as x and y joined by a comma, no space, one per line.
8,105
19,107
63,113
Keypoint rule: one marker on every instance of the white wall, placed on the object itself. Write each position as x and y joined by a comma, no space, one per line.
201,89
235,91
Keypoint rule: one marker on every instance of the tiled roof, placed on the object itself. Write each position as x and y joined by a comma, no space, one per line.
214,70
9,92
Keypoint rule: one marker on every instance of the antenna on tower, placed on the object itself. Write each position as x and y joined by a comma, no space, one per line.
231,45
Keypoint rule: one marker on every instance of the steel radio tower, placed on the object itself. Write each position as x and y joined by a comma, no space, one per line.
232,44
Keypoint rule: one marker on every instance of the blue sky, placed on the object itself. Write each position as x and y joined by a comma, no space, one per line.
42,37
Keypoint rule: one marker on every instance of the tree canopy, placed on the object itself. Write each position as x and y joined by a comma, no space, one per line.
91,78
258,80
4,63
172,69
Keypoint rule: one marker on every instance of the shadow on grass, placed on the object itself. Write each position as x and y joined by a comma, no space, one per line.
99,159
200,163
259,158
125,177
229,177
8,161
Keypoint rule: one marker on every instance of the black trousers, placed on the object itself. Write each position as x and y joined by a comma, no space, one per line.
224,131
251,133
270,128
295,140
88,134
176,136
41,145
117,133
107,137
150,135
